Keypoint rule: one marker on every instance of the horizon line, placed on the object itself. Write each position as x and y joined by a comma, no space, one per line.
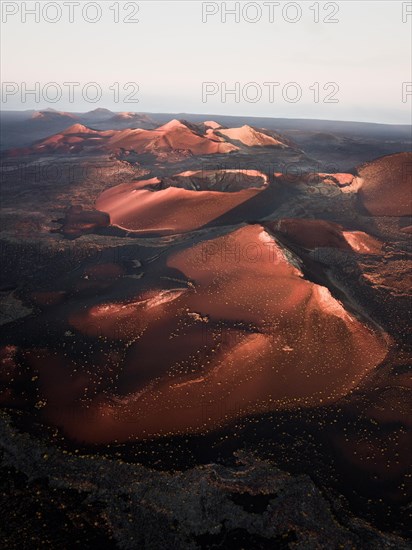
50,109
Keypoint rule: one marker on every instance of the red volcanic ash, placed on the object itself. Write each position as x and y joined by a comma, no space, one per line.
179,206
212,124
320,233
245,334
250,137
174,137
387,185
311,233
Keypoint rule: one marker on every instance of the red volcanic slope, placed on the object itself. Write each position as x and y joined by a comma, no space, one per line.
78,129
139,207
387,185
251,137
212,124
286,343
74,138
49,115
362,242
131,120
173,136
320,233
130,115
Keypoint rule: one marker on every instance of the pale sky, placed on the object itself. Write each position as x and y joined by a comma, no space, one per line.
171,52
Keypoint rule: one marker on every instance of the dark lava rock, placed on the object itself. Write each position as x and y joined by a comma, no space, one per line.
51,498
79,222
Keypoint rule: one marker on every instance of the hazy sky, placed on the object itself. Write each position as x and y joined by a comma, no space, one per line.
171,52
